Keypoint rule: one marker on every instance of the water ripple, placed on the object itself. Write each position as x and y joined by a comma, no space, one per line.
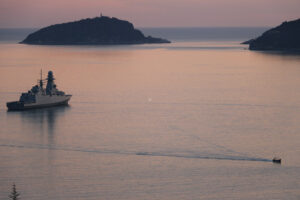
140,153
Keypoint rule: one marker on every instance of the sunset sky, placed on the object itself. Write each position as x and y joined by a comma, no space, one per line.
150,13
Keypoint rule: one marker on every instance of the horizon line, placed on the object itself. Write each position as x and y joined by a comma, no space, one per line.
163,27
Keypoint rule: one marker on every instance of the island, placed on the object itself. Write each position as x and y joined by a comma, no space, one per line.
285,37
101,30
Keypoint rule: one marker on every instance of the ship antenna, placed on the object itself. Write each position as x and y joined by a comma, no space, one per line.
41,80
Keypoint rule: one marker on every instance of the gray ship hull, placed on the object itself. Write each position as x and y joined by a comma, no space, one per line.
17,105
40,97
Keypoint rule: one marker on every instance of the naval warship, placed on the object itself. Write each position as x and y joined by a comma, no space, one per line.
40,97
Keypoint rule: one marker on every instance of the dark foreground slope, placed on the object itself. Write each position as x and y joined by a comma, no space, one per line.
99,30
283,37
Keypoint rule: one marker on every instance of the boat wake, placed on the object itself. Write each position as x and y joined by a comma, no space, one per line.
189,155
208,156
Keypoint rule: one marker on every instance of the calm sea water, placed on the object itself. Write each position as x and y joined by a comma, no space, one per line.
196,119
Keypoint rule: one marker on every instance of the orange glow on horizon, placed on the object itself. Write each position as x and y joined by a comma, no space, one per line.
145,13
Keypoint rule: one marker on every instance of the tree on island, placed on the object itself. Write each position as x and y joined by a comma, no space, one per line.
14,195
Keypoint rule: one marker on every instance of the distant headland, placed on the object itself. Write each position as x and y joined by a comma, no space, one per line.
101,30
285,37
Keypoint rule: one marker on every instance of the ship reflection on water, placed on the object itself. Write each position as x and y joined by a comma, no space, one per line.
45,117
42,122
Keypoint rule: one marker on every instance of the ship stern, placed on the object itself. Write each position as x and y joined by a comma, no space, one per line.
15,105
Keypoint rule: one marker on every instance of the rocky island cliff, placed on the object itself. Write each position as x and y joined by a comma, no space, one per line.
285,37
96,31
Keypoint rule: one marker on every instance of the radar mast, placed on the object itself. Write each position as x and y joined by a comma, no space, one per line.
41,79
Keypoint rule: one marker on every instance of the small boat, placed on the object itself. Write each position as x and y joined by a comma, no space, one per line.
40,97
276,160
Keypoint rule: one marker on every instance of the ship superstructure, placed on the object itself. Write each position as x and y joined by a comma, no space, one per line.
40,97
